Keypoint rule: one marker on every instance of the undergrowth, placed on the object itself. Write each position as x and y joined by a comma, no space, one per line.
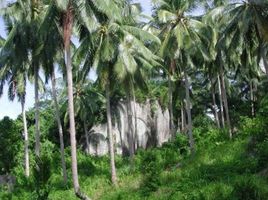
221,169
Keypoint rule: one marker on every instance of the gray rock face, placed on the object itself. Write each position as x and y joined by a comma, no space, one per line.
152,129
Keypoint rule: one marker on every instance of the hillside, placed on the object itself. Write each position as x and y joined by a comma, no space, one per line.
220,169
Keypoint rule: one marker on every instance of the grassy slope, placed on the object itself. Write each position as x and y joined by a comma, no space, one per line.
220,171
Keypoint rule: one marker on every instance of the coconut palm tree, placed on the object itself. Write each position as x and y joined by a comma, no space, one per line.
14,62
244,33
247,26
50,57
82,13
14,73
22,20
182,40
119,52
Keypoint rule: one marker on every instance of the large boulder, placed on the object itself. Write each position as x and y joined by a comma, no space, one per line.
151,123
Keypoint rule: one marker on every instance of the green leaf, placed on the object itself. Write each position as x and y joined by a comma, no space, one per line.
165,16
141,34
62,4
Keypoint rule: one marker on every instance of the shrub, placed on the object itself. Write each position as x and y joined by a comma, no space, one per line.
250,188
151,169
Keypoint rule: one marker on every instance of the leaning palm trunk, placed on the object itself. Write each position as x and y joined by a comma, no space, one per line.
110,135
189,116
67,29
26,140
225,104
221,103
37,114
57,114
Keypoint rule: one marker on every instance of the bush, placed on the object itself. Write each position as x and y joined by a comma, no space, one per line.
252,126
151,169
250,188
41,174
258,144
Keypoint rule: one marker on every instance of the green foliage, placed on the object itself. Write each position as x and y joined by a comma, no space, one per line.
206,133
253,126
220,169
250,188
41,175
124,53
151,169
258,145
10,144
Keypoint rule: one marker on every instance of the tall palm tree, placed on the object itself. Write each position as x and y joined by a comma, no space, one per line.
84,13
244,33
23,19
50,56
182,39
111,39
16,78
14,63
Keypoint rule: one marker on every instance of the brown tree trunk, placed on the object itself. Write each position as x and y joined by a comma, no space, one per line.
26,140
37,114
67,32
57,115
225,103
221,103
110,135
189,116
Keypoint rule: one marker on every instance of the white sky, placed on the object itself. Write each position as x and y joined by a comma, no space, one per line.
13,109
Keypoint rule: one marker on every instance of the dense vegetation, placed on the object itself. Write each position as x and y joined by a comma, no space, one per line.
220,169
209,71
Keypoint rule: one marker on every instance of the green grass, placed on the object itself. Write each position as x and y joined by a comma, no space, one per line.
221,169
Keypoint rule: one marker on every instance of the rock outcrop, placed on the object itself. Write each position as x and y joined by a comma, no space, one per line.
152,129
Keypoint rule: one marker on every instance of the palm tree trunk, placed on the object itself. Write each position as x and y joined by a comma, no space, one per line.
221,103
57,114
67,29
225,103
215,106
130,128
183,125
189,116
26,140
170,96
135,122
86,136
110,135
255,89
252,98
264,58
37,114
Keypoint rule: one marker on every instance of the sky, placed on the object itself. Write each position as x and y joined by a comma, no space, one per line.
13,109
